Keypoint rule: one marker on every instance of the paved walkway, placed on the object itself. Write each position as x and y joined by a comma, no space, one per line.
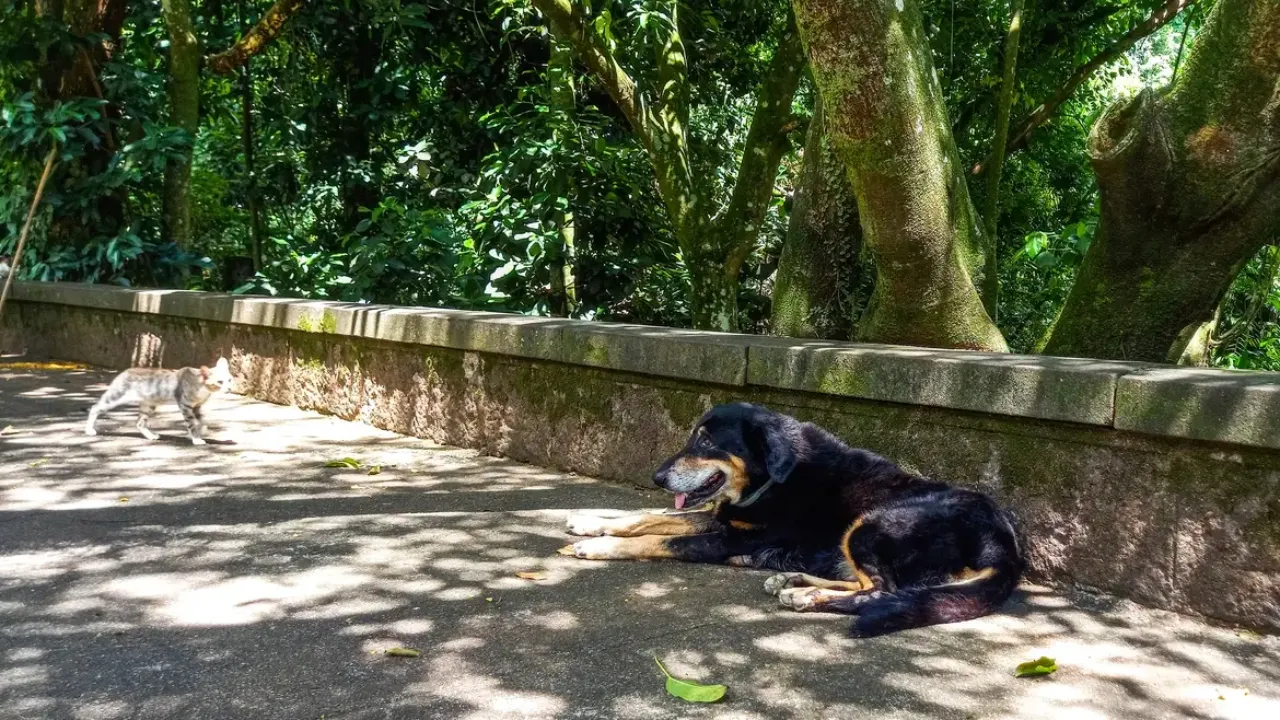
244,580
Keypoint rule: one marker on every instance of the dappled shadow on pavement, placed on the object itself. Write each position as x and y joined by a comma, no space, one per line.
247,580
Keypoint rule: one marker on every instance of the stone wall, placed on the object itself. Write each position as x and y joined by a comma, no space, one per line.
1160,484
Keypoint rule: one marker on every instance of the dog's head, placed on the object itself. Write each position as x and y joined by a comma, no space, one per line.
733,451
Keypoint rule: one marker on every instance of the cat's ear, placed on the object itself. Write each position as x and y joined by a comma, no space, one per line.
204,372
222,364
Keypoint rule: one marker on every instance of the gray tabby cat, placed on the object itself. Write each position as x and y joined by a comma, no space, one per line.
148,387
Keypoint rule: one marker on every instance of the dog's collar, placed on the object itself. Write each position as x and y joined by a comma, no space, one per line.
754,496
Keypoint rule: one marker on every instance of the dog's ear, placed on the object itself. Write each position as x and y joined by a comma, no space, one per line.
781,457
776,442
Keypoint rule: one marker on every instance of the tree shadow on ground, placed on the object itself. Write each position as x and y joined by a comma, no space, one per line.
161,580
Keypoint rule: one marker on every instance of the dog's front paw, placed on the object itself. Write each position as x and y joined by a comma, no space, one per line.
586,525
90,432
597,548
777,583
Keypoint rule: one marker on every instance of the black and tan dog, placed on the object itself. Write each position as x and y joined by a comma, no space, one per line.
852,532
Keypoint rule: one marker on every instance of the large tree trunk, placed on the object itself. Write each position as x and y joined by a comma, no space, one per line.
77,76
1190,190
560,254
184,112
991,211
359,56
872,63
814,292
257,231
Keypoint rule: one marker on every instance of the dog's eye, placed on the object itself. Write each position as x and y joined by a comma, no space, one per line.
703,442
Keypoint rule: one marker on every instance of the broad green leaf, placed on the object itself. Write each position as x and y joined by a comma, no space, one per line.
375,470
345,462
691,691
1036,668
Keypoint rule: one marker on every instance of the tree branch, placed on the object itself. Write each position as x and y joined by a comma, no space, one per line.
569,25
673,79
268,28
1158,19
766,142
991,216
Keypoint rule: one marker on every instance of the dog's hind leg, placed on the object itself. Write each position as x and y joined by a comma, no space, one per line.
668,523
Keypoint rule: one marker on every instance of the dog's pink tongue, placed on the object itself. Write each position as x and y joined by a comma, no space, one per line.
680,498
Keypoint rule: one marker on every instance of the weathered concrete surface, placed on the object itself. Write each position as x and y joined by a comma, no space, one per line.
1047,388
1229,407
246,581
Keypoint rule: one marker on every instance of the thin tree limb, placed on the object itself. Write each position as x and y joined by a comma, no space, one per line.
268,27
991,278
1158,19
26,226
568,24
763,150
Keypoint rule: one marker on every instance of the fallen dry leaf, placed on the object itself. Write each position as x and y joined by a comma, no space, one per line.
529,575
402,652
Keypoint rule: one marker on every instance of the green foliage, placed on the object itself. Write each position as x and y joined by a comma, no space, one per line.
415,153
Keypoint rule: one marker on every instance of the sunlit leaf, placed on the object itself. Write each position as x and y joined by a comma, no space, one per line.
1036,668
691,691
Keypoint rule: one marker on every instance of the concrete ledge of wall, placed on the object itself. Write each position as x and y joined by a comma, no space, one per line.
1047,388
1237,407
665,352
1214,405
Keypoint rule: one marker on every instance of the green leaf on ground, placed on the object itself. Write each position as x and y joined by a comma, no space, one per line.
375,470
1036,668
691,691
345,462
402,652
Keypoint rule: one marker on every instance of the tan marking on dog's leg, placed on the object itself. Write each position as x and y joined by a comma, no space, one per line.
864,580
646,547
744,525
969,575
689,523
777,583
806,599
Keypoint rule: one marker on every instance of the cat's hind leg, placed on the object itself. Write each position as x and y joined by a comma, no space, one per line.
145,413
193,415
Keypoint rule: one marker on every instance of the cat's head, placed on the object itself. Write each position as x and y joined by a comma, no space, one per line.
217,378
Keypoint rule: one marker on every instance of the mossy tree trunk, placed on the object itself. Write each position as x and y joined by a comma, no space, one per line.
184,112
560,254
991,211
96,25
885,114
357,63
714,247
820,271
1190,190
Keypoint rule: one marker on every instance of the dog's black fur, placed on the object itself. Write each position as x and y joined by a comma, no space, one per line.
931,553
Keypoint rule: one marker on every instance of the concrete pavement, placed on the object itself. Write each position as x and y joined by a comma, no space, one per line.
244,579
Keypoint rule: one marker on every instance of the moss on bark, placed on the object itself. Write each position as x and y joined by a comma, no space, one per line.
820,273
1190,190
886,117
184,112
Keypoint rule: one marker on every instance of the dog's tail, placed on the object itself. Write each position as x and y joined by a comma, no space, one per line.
966,599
